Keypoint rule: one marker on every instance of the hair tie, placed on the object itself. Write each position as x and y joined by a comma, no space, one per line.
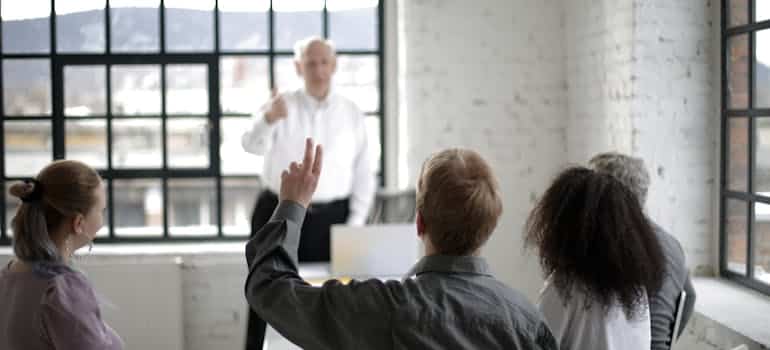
36,194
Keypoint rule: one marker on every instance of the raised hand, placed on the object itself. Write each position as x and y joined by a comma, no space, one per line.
276,108
298,183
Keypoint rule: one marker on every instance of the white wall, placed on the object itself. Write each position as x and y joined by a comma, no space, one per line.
489,75
598,48
674,116
641,81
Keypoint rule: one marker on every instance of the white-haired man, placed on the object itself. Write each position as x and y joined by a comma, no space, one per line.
346,190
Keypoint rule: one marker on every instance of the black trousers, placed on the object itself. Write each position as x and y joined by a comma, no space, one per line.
313,244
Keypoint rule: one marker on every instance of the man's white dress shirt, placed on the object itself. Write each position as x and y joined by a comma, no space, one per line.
338,125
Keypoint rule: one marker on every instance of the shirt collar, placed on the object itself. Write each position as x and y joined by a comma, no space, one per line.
451,264
315,103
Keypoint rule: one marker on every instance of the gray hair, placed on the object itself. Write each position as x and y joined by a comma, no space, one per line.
630,171
301,46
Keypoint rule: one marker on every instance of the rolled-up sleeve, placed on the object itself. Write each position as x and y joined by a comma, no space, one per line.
333,316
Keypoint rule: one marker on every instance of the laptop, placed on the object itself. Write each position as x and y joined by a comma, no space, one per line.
374,251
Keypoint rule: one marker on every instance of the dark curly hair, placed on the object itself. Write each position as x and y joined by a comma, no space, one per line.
592,236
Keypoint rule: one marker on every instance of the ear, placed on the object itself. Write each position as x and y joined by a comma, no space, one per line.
298,67
420,225
78,224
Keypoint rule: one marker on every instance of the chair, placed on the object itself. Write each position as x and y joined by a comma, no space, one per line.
393,207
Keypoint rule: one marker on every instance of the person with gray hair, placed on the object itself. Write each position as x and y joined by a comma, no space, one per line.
632,173
346,191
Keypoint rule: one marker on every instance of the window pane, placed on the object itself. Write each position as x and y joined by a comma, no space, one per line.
189,25
135,90
86,141
375,144
138,207
192,207
28,147
296,20
238,198
761,10
762,151
738,154
26,26
353,24
738,12
80,26
736,213
136,143
85,91
11,205
762,70
134,25
188,142
187,89
27,87
243,24
234,160
244,82
738,72
762,242
356,79
286,78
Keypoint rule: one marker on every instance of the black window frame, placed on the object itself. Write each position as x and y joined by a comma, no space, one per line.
751,115
212,59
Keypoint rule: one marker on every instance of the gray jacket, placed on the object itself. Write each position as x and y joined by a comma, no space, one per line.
452,302
663,304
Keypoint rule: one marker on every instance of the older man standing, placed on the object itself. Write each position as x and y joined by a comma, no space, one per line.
346,190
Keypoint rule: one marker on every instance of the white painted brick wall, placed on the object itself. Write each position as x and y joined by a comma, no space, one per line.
489,75
641,81
674,118
599,43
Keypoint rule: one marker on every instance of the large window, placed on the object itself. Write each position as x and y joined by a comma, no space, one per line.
745,187
156,93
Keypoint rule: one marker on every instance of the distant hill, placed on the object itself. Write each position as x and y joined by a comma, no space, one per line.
83,31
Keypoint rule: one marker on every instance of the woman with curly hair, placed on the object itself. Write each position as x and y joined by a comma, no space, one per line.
601,259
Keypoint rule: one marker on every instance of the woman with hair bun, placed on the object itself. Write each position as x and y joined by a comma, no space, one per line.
46,304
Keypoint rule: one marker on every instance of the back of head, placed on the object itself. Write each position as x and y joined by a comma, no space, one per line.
459,201
60,191
630,171
592,236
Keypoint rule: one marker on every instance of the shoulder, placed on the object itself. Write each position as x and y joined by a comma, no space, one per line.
346,103
670,245
70,289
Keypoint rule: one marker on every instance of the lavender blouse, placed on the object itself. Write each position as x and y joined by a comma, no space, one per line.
56,310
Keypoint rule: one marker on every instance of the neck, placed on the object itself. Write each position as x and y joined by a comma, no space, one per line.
318,93
65,250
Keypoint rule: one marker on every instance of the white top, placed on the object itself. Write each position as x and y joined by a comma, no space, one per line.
578,328
338,125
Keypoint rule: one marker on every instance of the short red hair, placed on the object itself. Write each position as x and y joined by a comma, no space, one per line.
459,201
